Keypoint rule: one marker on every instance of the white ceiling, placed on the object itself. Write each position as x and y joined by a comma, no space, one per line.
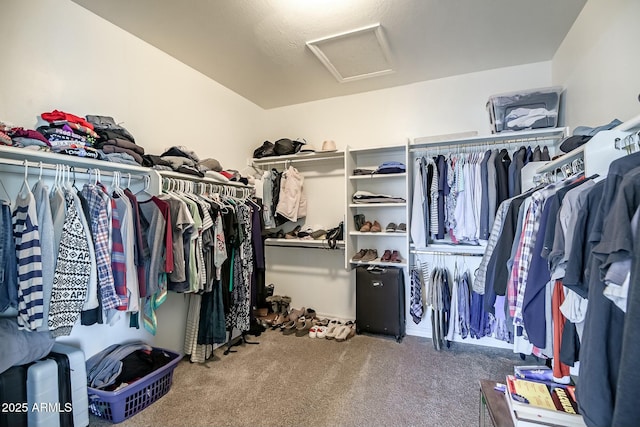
257,48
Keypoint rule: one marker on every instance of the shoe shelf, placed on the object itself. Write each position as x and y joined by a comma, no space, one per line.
378,205
302,243
395,184
379,263
378,234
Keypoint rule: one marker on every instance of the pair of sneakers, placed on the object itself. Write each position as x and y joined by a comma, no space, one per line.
365,255
396,228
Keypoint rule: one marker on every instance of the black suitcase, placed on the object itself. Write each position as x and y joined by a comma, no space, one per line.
380,305
13,397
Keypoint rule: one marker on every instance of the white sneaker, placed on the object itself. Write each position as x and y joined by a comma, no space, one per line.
313,332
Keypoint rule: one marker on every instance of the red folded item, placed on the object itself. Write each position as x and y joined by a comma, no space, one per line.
57,115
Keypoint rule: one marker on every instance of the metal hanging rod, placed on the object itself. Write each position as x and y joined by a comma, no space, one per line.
423,252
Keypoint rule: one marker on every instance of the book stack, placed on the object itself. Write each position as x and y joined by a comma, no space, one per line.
535,400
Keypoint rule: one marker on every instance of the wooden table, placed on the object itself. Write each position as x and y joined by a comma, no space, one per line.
493,402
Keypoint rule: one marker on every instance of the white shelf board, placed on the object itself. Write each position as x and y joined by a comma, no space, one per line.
377,205
302,243
378,176
377,234
377,262
503,137
569,157
18,155
297,158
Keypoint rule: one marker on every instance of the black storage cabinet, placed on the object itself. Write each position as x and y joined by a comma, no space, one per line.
380,306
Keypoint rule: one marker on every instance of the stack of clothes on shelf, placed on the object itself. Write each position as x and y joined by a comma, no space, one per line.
95,137
117,144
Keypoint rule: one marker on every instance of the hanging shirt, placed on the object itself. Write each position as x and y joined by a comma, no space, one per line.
28,252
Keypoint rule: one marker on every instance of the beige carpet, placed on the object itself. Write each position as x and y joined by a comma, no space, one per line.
296,381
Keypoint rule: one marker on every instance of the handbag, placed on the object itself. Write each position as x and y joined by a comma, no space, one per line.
334,235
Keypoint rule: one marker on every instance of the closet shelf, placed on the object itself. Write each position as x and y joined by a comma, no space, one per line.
377,205
298,158
448,247
377,234
17,156
379,263
555,134
379,176
569,157
187,177
301,243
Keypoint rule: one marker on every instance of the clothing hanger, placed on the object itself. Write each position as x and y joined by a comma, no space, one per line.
24,189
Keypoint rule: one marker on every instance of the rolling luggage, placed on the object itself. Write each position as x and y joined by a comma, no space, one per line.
13,396
380,305
78,383
43,394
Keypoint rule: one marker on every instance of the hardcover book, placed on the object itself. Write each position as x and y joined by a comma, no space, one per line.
543,403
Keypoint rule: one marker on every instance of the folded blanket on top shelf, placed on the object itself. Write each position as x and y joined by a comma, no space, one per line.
362,196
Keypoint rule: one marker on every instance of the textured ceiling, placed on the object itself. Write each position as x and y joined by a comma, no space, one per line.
257,48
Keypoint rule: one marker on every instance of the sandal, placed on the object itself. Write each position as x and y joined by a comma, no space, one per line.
303,326
333,328
289,327
347,331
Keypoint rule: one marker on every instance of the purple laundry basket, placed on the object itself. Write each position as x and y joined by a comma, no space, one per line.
116,406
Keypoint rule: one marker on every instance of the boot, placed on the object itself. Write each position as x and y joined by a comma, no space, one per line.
284,304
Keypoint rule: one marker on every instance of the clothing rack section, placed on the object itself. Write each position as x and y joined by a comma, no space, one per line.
81,254
218,258
456,194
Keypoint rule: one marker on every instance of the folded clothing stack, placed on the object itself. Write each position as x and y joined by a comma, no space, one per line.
115,141
65,133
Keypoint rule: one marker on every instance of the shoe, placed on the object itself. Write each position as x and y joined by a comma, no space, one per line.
321,331
376,227
395,257
333,329
391,227
275,302
347,331
289,327
293,234
366,227
313,331
370,255
358,221
319,234
386,257
303,326
359,255
402,228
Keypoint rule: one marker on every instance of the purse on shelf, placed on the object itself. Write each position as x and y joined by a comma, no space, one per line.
334,235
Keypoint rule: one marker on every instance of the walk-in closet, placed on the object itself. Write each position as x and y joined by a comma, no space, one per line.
319,212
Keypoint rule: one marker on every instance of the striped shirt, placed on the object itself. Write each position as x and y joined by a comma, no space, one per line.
28,254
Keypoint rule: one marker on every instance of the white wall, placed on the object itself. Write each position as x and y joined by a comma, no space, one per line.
390,116
58,55
598,63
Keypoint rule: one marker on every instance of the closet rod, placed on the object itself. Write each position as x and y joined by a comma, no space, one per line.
479,145
49,169
422,252
536,135
302,158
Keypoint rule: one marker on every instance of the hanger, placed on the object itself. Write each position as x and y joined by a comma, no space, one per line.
24,189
